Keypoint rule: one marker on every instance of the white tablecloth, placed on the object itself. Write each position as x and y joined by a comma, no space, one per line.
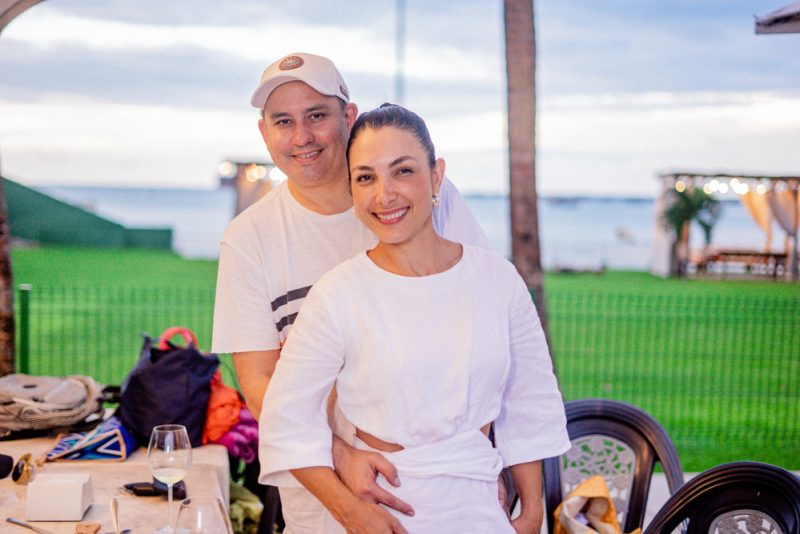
209,476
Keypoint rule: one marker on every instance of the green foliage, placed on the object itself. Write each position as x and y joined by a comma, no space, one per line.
688,205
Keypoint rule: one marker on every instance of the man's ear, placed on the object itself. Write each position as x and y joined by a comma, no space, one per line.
350,114
262,127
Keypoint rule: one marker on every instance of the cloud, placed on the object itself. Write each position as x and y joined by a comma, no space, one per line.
115,59
157,93
85,142
618,148
178,75
659,46
213,13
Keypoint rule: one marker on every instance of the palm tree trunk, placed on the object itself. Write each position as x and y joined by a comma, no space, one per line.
521,73
7,348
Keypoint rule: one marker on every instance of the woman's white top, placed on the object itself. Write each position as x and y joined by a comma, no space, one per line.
423,362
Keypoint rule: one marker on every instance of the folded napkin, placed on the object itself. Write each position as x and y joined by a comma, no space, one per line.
590,503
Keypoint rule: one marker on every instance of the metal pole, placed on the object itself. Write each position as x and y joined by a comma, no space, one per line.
796,206
24,328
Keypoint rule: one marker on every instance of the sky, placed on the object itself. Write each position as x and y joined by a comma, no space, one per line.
148,93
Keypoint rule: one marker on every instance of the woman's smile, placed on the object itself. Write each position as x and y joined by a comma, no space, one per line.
391,217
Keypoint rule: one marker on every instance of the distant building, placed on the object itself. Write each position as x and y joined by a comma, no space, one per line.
252,180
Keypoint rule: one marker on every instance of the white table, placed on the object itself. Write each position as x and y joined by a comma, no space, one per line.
208,477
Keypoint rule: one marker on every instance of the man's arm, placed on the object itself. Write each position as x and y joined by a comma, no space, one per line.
254,370
355,515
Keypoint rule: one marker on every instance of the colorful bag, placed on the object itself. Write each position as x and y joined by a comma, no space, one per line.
108,441
169,385
224,406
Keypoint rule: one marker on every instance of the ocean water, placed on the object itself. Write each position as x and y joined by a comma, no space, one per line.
575,233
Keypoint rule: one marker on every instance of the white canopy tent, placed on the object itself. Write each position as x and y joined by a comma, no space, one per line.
9,9
766,198
783,20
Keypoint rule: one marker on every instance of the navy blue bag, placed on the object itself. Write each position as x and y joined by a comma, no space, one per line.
170,384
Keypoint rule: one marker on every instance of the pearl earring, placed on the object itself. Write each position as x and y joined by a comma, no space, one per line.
435,200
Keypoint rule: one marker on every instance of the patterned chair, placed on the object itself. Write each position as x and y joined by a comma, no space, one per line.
620,442
734,498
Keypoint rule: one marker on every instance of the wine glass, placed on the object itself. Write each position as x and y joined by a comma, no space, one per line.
170,457
202,515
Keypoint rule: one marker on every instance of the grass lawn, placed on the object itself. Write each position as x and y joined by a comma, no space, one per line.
637,282
89,307
91,267
716,362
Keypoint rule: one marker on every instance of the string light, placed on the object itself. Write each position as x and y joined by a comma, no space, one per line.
251,173
226,169
276,175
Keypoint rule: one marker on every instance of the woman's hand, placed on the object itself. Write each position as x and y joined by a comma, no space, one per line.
502,494
528,483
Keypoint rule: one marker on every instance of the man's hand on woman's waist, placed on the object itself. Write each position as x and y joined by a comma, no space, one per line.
359,471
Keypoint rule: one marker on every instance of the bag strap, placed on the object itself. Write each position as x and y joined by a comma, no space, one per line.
169,333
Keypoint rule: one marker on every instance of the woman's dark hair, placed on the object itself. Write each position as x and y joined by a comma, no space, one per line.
399,117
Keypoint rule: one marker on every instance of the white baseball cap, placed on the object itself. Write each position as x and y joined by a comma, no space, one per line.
318,72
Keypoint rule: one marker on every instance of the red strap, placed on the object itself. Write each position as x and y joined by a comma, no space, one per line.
188,336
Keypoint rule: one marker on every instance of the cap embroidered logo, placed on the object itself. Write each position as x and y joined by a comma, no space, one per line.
291,62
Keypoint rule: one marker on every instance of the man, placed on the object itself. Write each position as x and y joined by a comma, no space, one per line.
278,248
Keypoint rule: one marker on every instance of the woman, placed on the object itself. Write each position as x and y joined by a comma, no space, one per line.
428,342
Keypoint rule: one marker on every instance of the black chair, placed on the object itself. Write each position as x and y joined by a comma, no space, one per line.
731,498
620,442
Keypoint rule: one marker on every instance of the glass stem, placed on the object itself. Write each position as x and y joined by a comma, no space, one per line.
171,511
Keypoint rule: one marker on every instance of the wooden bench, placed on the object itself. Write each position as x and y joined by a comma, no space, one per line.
753,261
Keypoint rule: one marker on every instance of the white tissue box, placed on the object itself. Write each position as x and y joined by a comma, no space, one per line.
59,497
